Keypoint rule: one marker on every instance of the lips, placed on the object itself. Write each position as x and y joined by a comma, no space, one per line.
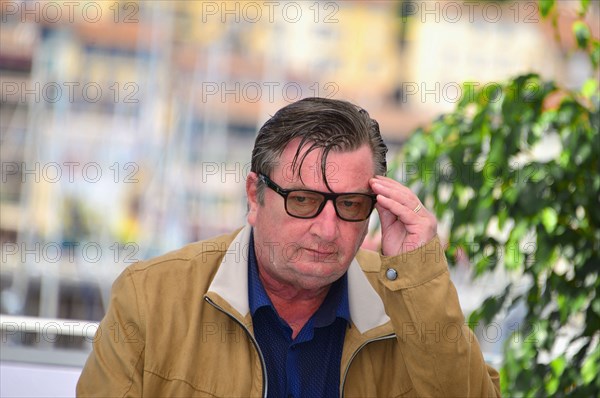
320,254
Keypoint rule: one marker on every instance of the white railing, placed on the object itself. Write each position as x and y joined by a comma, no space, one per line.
32,340
48,328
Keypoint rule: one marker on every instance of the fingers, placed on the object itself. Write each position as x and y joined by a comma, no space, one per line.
405,223
386,216
396,198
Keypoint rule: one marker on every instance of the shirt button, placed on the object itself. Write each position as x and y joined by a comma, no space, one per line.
391,274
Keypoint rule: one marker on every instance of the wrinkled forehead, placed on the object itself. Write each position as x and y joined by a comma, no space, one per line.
309,164
299,159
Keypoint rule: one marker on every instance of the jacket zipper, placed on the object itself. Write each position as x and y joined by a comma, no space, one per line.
262,358
389,336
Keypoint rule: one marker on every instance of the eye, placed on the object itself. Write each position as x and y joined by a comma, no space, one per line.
354,205
349,204
305,198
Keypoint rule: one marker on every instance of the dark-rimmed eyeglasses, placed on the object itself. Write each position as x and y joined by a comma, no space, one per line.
304,203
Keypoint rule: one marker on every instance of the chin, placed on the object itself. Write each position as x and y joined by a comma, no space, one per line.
313,283
311,280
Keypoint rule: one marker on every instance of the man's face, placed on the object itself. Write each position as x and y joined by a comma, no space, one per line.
309,253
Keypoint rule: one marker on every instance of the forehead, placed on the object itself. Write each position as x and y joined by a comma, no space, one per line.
344,170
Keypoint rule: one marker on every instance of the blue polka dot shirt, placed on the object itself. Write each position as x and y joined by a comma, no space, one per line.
309,365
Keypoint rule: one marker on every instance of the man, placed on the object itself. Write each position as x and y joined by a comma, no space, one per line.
289,305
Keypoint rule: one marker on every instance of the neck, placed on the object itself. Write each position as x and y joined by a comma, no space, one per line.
293,304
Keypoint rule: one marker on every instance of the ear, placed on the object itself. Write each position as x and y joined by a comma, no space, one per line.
253,204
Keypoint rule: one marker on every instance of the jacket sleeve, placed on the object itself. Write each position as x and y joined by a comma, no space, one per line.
442,355
115,366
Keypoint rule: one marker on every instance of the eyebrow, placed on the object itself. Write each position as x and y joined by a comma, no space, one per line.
366,192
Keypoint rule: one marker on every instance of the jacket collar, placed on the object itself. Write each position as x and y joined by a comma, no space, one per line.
231,284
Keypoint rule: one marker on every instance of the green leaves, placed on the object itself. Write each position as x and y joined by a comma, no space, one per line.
580,29
584,7
510,203
595,53
545,7
534,213
558,366
590,88
582,34
535,217
549,219
591,366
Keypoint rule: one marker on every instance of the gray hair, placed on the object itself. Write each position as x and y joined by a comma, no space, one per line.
321,124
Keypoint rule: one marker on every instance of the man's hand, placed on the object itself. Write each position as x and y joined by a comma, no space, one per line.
405,223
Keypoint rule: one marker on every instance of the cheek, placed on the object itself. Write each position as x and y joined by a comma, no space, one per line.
271,224
354,236
364,231
361,234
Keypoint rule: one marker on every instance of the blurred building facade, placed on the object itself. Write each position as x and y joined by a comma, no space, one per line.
126,127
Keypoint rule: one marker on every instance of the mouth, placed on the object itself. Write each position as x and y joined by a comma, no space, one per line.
321,254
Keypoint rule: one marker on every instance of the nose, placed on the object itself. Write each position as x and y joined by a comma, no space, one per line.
325,225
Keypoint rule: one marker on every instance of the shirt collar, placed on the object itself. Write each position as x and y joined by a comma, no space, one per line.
257,296
336,304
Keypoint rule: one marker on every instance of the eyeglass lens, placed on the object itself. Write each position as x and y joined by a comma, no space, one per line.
307,204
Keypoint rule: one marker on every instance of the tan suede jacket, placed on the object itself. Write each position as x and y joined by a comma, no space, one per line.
179,326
